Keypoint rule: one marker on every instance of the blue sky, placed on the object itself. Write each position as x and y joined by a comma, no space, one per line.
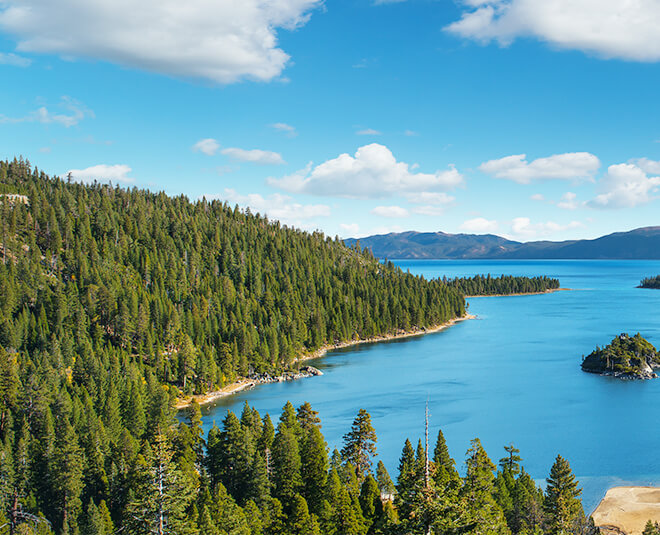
532,119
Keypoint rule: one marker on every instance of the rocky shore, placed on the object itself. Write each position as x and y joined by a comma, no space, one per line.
263,378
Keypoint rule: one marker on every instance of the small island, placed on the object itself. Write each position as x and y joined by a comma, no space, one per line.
626,357
650,282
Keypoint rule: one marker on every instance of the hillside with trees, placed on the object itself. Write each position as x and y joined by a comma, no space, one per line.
502,285
196,294
627,357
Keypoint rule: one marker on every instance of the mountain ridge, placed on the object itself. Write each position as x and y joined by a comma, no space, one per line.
637,244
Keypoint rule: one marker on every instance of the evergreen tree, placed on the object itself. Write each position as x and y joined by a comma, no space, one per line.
286,465
360,444
562,505
314,468
162,495
485,515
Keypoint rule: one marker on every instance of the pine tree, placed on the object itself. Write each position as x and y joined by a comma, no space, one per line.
66,470
162,495
484,513
314,467
511,462
562,504
300,521
360,444
385,484
286,465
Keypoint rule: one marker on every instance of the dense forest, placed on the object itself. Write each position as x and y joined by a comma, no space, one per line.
650,282
115,301
254,478
502,285
628,357
195,293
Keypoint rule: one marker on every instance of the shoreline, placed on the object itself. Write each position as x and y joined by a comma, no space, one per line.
244,384
625,510
521,294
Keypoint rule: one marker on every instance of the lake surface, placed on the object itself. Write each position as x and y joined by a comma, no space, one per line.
511,375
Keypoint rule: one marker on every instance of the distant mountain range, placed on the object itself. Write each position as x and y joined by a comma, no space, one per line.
638,244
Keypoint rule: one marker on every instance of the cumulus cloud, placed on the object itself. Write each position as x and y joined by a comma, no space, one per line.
289,130
410,133
208,146
625,185
569,201
537,197
261,157
607,28
568,166
479,225
523,228
14,60
372,173
390,211
102,173
648,166
368,132
222,41
276,206
76,113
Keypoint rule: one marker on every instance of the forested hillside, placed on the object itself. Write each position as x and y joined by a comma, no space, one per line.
195,293
502,285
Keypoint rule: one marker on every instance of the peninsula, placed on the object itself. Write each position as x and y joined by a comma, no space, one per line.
626,357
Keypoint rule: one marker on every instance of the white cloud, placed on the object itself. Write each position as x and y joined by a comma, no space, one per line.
568,166
208,146
429,209
102,173
14,60
223,41
261,157
569,201
349,229
625,185
429,197
276,206
523,228
289,130
390,211
648,166
368,132
372,173
607,28
77,112
410,133
537,197
479,225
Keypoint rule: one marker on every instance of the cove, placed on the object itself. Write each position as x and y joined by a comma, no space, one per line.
511,375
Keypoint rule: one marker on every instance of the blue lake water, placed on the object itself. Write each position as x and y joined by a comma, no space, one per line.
511,375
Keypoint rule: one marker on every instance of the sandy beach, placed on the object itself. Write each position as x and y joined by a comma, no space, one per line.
625,510
243,384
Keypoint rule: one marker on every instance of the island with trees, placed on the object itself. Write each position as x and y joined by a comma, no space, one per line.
626,357
650,282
